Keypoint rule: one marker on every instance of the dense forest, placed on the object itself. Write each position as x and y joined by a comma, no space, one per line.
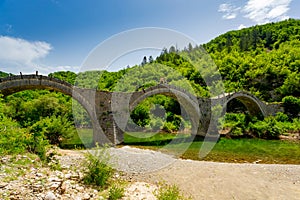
264,60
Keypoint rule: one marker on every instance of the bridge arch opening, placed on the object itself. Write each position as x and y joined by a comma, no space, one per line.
169,110
159,113
244,103
236,106
239,111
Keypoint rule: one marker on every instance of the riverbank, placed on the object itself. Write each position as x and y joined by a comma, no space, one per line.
143,170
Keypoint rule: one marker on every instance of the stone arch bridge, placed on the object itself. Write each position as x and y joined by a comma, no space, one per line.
109,112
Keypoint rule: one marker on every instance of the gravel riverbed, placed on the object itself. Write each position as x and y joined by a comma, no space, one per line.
212,180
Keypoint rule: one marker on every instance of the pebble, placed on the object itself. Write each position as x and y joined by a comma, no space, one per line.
50,196
86,197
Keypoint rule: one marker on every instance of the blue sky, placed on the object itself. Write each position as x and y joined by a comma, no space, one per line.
53,35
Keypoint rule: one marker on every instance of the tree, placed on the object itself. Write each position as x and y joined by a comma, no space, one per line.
190,47
172,49
150,59
144,61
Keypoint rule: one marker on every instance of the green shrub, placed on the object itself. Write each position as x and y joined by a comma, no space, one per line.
156,123
54,128
290,126
116,192
140,115
291,106
169,127
13,138
169,192
98,170
267,129
281,117
16,140
39,145
236,122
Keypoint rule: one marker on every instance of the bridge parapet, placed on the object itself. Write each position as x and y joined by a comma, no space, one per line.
34,76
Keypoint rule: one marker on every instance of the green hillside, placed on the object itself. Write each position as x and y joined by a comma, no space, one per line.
263,59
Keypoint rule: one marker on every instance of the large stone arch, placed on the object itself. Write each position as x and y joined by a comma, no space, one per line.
255,106
188,101
13,84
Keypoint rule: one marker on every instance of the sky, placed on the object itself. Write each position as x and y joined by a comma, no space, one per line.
59,35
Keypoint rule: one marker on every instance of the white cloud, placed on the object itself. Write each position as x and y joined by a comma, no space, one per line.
20,53
259,11
264,11
65,68
242,26
230,11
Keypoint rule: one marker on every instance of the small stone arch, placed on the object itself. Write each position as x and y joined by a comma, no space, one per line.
255,106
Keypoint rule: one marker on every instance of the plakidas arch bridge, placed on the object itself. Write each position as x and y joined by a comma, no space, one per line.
103,107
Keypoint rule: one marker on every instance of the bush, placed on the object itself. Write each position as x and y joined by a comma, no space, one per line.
169,192
169,127
281,117
291,106
288,126
116,192
267,129
13,139
98,171
156,124
16,140
54,128
39,145
237,122
140,115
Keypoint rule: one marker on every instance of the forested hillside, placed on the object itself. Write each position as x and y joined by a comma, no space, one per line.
264,60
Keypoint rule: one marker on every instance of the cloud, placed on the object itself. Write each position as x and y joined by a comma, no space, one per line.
64,68
241,26
17,52
230,11
264,11
259,11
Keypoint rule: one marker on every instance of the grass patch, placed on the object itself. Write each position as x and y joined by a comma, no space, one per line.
169,192
151,139
116,192
81,139
227,150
